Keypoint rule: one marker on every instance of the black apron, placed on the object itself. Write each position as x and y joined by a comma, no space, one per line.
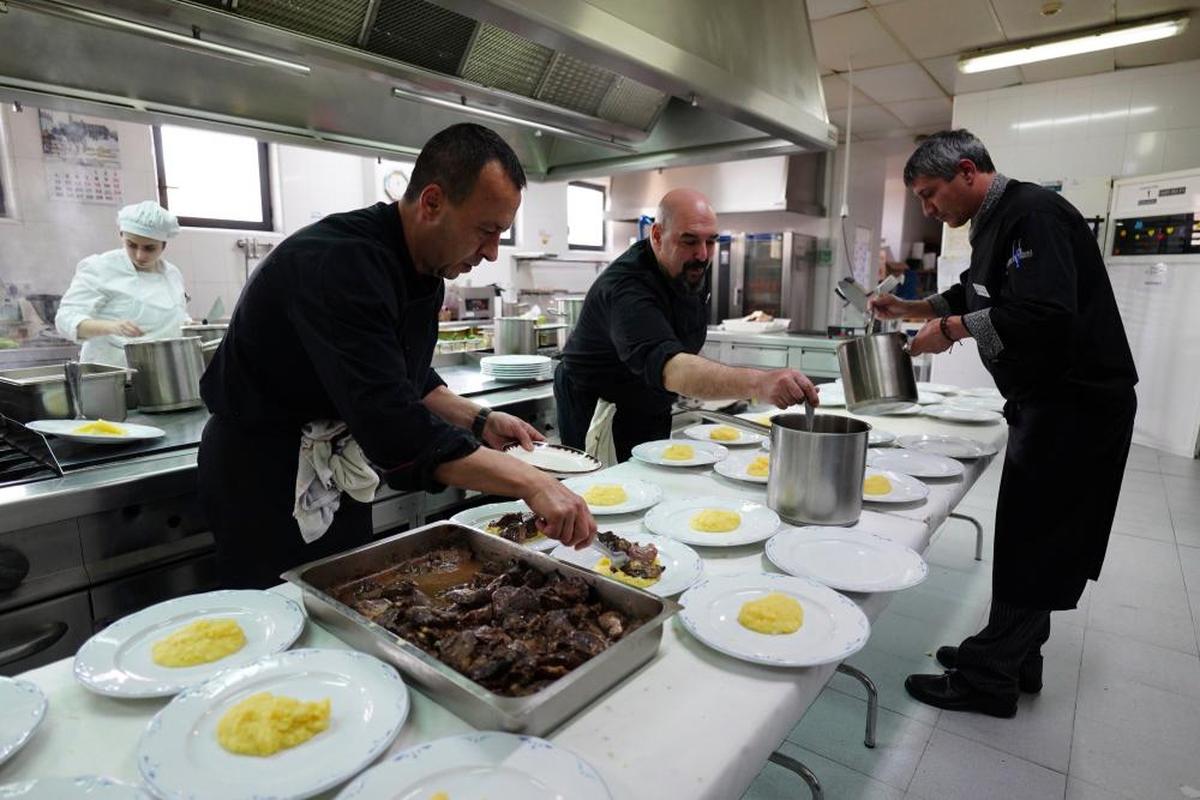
1068,376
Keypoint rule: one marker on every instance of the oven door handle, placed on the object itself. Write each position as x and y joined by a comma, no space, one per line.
44,638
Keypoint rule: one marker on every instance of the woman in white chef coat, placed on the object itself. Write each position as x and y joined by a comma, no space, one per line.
126,294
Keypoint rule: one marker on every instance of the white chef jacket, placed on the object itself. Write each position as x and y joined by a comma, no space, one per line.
109,286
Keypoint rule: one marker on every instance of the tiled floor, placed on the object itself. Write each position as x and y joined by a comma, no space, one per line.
1119,718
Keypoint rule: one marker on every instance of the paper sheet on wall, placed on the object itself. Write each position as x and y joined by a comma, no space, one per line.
861,262
82,157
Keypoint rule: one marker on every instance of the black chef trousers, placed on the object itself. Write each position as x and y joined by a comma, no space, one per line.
991,660
633,422
247,485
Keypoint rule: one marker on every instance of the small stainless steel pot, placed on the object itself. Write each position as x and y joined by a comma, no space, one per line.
877,373
168,373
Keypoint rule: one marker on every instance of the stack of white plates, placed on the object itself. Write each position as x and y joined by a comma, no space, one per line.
517,368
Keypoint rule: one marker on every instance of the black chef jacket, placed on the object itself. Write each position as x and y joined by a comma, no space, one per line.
1065,369
335,324
632,322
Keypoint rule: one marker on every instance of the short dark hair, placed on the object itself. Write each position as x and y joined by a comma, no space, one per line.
939,154
454,157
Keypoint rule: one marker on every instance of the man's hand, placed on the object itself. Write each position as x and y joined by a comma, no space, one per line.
786,387
121,327
929,339
888,306
501,428
565,515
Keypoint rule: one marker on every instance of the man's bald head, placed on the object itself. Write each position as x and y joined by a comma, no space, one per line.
684,236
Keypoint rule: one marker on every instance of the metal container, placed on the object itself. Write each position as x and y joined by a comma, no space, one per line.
515,336
569,308
168,373
535,714
208,350
877,372
816,475
41,392
212,332
551,335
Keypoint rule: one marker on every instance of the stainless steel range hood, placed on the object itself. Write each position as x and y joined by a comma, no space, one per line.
577,86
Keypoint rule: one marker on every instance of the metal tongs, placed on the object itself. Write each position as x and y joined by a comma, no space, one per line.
617,558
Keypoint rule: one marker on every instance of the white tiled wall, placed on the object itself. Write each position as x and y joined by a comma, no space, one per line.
1130,122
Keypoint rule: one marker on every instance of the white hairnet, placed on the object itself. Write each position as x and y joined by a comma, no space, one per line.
148,219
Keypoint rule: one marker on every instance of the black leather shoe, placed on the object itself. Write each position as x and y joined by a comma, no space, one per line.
1029,679
951,692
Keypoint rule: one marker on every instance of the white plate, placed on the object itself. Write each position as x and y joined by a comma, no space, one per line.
982,392
958,414
834,627
515,378
705,453
944,445
905,488
878,437
556,458
62,428
683,564
513,362
178,755
936,388
480,516
914,463
673,519
487,764
641,494
903,411
849,560
735,467
929,398
24,708
761,417
117,661
85,787
744,326
702,433
984,403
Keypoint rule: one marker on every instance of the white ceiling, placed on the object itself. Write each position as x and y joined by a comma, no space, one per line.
905,52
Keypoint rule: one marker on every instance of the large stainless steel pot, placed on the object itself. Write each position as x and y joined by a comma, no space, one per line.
877,373
168,373
569,308
816,475
515,336
208,333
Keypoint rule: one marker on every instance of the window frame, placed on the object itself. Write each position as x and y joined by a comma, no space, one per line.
264,190
603,246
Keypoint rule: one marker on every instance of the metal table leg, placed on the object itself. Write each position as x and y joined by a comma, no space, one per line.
872,699
806,774
978,532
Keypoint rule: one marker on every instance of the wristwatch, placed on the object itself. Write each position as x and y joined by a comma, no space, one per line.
480,421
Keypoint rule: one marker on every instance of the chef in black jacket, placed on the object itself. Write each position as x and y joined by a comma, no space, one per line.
642,324
1038,302
339,322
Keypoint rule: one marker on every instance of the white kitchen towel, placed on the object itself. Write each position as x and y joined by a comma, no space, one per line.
599,439
331,462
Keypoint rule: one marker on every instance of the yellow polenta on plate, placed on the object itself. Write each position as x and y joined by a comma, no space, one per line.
877,485
605,494
99,428
716,520
679,452
724,433
201,642
604,567
760,467
773,614
264,724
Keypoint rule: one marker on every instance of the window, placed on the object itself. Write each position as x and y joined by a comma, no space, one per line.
213,180
508,235
585,216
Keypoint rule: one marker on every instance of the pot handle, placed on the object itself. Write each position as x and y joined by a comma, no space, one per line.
737,422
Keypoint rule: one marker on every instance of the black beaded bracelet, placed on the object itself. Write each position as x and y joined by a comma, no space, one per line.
480,421
944,326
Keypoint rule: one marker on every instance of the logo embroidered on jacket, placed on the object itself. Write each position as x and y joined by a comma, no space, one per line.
1018,255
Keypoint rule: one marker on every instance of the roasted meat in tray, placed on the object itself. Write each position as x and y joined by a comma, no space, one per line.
501,623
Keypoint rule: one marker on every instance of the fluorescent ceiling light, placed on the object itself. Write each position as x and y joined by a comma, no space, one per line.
1102,39
169,37
1137,111
499,116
